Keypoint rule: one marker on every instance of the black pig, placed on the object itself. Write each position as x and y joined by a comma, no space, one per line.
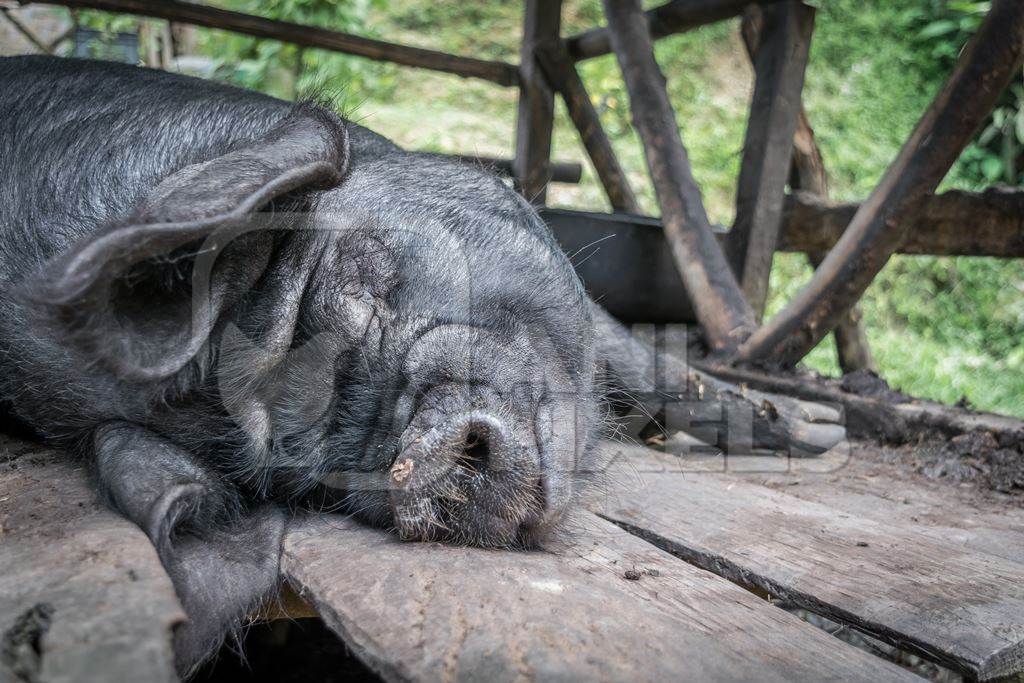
226,303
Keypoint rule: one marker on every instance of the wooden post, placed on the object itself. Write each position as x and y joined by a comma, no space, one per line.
541,23
676,16
779,64
719,304
807,174
983,71
566,80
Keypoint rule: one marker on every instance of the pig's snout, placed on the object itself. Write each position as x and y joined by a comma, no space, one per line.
467,479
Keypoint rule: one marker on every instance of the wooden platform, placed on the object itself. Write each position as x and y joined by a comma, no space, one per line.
674,571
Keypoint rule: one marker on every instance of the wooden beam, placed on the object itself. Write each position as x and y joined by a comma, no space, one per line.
677,16
807,173
625,263
566,80
561,171
542,20
954,223
779,63
880,414
983,71
726,317
306,36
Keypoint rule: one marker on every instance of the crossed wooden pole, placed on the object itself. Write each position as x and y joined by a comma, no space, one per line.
727,300
727,283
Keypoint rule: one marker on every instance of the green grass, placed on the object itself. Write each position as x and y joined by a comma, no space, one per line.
940,328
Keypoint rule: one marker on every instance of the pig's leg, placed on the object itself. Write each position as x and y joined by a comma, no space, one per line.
747,419
222,559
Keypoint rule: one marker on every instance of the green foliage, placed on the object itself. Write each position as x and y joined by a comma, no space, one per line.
941,28
289,71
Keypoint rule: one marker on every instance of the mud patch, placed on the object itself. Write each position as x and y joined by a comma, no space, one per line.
868,384
978,457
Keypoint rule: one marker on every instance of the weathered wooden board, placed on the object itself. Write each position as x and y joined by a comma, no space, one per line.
865,485
83,596
432,612
950,603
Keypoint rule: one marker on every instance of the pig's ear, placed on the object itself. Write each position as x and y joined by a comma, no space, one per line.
124,296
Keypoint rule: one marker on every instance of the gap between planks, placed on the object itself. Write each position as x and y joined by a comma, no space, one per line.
952,604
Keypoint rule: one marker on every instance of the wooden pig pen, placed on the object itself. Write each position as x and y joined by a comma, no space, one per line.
682,563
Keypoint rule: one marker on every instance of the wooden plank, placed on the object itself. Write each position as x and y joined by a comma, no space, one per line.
949,604
779,64
83,596
566,80
983,70
542,20
676,16
867,484
426,612
721,309
306,36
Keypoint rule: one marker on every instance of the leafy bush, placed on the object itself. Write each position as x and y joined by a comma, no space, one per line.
942,28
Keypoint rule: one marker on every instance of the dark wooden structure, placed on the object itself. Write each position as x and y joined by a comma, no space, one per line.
779,148
664,574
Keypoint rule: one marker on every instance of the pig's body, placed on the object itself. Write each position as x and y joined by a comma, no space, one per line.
89,141
226,302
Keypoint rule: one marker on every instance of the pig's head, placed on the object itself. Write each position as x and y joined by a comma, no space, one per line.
401,332
470,381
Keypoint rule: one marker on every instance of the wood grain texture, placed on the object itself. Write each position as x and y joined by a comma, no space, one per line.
948,603
427,612
721,309
868,484
888,417
305,36
808,174
984,69
779,62
111,607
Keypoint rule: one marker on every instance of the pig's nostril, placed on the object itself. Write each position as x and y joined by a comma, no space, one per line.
476,447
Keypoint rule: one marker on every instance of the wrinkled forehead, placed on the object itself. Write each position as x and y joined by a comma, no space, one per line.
474,255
